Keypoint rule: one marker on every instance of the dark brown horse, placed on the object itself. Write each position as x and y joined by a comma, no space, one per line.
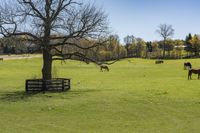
104,67
187,65
193,71
159,62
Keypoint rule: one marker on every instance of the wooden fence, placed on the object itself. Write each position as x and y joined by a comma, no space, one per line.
37,85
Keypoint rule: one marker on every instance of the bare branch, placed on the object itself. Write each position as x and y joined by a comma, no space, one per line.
165,31
82,56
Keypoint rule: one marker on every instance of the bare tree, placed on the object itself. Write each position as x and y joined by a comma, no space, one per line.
53,25
165,31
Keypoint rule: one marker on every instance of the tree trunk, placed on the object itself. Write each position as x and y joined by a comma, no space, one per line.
164,48
47,65
47,57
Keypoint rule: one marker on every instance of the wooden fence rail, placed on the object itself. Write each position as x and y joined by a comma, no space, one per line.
59,84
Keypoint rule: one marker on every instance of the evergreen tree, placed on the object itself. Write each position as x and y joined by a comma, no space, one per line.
149,46
188,45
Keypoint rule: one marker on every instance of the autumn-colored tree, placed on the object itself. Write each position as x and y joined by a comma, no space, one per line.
195,41
179,47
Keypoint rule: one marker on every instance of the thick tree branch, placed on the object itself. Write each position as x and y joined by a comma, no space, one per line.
84,58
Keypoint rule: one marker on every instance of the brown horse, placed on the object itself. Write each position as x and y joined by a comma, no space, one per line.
193,71
103,67
187,65
159,62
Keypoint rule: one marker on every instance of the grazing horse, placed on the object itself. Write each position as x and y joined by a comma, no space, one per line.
193,71
187,65
1,59
103,67
159,62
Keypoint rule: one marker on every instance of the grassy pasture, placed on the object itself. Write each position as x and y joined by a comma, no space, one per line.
136,96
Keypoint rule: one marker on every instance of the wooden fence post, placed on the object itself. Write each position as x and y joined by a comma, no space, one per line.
26,85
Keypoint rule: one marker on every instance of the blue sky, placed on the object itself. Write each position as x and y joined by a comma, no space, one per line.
142,17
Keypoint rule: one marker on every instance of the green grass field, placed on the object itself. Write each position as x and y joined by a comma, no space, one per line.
136,96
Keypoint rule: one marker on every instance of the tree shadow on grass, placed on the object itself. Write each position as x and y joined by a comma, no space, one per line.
22,96
16,96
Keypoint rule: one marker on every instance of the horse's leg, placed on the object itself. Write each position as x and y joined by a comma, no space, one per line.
189,75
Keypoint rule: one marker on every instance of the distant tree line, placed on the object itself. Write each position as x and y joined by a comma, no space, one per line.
188,48
17,45
113,49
